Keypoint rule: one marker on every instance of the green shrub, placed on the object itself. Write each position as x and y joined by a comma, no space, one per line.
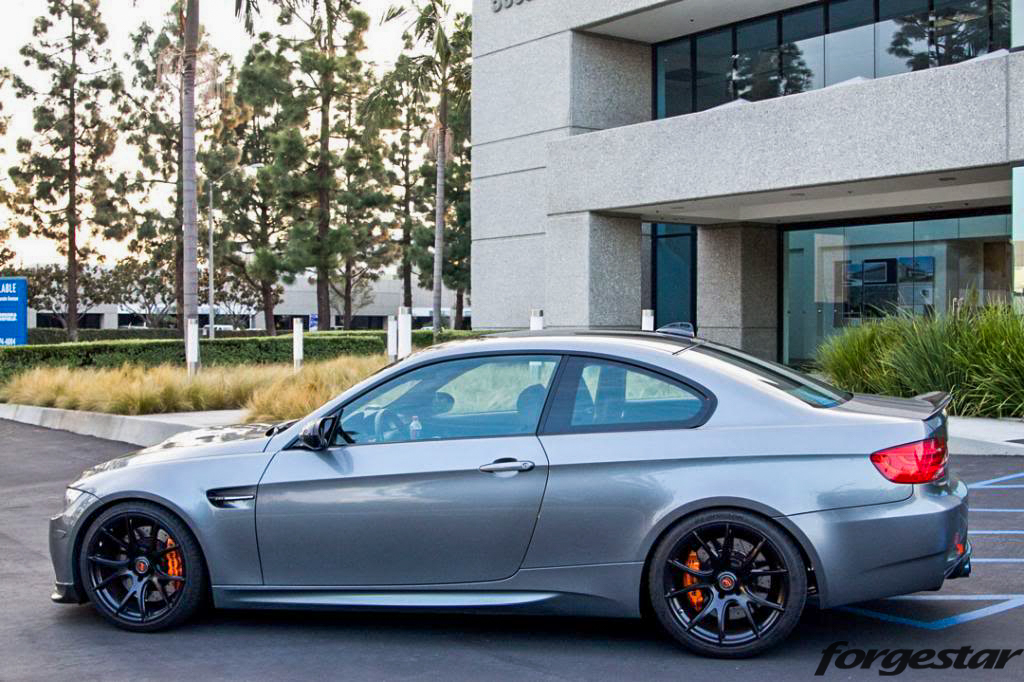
975,354
48,335
262,350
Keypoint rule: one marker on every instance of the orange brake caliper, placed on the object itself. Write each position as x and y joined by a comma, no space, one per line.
696,597
174,566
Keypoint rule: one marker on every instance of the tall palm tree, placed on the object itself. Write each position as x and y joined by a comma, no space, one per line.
190,208
444,71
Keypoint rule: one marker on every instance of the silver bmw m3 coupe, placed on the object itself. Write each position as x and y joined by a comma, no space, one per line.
594,473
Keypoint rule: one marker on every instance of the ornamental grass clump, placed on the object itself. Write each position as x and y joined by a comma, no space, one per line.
974,353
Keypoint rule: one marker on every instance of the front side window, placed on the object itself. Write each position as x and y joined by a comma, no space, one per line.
602,395
468,398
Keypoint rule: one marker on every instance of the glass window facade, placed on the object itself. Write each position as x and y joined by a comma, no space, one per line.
823,44
835,277
674,252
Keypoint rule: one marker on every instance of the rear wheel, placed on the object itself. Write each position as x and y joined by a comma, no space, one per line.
727,584
141,567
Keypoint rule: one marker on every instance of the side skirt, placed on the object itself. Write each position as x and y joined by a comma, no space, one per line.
611,590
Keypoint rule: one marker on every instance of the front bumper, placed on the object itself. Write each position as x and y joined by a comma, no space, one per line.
63,531
885,550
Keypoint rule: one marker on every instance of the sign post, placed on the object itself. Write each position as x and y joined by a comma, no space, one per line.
297,349
13,311
404,333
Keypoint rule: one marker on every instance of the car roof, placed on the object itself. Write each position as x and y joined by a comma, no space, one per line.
572,340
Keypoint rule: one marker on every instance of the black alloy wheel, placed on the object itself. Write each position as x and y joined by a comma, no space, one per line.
141,567
727,584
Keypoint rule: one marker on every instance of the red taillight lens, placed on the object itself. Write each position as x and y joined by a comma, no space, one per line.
920,462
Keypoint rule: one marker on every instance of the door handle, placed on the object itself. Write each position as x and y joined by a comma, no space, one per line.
504,465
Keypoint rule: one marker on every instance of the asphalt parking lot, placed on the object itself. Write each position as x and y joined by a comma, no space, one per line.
40,640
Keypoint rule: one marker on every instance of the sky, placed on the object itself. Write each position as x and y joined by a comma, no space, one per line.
122,18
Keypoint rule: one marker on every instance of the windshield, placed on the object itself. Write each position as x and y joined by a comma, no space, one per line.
797,384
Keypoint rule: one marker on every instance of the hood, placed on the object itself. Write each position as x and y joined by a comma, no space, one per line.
215,441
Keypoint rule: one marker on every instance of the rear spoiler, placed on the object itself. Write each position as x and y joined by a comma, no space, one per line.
938,399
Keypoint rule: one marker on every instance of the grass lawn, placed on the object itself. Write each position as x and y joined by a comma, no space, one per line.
267,392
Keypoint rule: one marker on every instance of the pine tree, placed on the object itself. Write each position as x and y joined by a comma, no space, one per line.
63,185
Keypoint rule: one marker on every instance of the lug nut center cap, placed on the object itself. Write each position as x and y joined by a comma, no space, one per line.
727,582
142,565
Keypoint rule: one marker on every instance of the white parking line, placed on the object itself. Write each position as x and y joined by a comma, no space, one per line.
1000,479
996,511
997,561
996,532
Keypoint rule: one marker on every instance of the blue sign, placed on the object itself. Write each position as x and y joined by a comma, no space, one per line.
314,322
13,311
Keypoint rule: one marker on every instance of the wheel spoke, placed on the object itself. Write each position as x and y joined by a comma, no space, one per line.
728,542
676,563
163,592
140,596
707,548
689,588
758,572
119,541
161,552
753,553
702,615
723,610
124,602
749,612
164,576
761,601
103,561
111,578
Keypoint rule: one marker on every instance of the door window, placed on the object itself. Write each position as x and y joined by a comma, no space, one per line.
469,398
602,395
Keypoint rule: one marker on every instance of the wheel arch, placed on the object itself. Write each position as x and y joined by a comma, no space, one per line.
106,503
815,577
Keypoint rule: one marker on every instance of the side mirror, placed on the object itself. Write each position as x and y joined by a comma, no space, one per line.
316,434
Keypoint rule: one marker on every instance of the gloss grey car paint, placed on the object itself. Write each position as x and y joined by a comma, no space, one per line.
420,525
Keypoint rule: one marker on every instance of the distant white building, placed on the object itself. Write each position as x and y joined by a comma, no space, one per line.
298,300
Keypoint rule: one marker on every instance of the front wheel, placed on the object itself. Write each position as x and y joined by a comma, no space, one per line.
141,567
727,584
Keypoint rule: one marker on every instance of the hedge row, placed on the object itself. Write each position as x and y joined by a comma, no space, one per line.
47,335
233,351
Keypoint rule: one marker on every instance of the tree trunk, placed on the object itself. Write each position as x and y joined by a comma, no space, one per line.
323,273
190,209
72,209
460,301
347,315
267,297
442,162
179,242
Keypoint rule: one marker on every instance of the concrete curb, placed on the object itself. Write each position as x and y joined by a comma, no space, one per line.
144,431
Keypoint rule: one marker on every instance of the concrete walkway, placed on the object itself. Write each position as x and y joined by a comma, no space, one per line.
967,435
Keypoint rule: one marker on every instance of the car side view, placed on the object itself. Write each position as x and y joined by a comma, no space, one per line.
593,473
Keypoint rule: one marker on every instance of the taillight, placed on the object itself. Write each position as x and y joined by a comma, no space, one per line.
921,462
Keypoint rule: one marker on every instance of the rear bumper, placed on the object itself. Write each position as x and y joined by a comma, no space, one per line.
890,549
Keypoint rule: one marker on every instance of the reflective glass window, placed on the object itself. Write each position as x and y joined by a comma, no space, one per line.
803,49
674,263
962,30
902,36
1000,24
757,59
675,79
714,69
846,14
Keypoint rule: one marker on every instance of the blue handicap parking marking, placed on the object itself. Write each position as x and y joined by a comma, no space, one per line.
991,483
1005,602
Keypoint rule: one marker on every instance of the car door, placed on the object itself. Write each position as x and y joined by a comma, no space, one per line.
442,482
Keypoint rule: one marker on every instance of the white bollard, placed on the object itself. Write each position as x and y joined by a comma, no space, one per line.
297,344
647,321
536,320
392,338
404,333
192,346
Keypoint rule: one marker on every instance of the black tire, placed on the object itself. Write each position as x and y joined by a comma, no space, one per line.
757,579
142,568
